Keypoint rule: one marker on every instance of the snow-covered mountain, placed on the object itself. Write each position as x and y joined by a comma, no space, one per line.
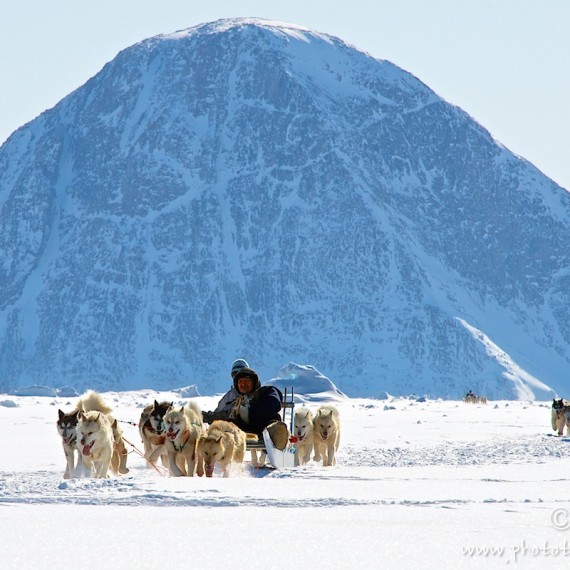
248,188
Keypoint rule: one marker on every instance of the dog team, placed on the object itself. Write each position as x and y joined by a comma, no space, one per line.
177,435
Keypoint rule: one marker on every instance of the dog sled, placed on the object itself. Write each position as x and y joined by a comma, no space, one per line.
471,398
280,452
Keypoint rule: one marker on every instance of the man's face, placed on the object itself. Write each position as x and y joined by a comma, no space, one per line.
245,384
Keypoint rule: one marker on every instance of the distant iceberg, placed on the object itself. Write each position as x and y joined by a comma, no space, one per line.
307,383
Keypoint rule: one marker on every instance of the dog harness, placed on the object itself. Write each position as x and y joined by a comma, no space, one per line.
179,448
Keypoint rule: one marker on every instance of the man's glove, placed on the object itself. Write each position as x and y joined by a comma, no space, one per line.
209,417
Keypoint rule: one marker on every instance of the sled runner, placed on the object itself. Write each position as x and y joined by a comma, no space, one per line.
282,456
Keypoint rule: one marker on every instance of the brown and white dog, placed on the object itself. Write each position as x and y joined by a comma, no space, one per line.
224,443
67,429
326,434
183,427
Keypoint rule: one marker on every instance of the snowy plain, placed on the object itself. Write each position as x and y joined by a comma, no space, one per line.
419,483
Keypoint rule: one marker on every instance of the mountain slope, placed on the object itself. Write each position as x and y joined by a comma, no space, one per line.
252,188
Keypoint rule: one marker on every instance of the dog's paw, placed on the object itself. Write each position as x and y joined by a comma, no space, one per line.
176,472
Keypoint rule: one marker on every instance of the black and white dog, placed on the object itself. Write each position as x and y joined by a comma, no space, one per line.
66,427
560,415
151,428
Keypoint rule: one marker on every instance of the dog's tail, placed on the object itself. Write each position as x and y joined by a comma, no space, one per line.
193,408
93,402
304,413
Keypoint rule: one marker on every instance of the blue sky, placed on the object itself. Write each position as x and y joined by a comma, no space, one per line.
505,62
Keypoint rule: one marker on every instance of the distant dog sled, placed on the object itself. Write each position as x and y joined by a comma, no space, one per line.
471,398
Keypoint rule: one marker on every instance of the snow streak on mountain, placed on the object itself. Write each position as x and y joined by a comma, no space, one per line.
248,188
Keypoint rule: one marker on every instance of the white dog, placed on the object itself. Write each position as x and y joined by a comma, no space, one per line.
303,432
326,434
95,441
182,427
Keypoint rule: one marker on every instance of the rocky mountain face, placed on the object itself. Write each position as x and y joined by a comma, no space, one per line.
253,189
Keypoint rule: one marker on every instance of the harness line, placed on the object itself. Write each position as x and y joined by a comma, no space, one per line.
143,455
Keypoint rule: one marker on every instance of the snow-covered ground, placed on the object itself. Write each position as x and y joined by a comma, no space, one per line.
418,484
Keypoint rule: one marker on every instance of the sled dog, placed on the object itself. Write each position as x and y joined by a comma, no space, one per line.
67,429
303,432
95,441
223,443
558,416
326,434
182,428
93,401
151,428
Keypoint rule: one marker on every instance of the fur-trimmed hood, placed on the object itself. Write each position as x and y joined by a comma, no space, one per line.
247,372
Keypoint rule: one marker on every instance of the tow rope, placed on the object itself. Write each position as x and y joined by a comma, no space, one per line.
143,456
130,423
